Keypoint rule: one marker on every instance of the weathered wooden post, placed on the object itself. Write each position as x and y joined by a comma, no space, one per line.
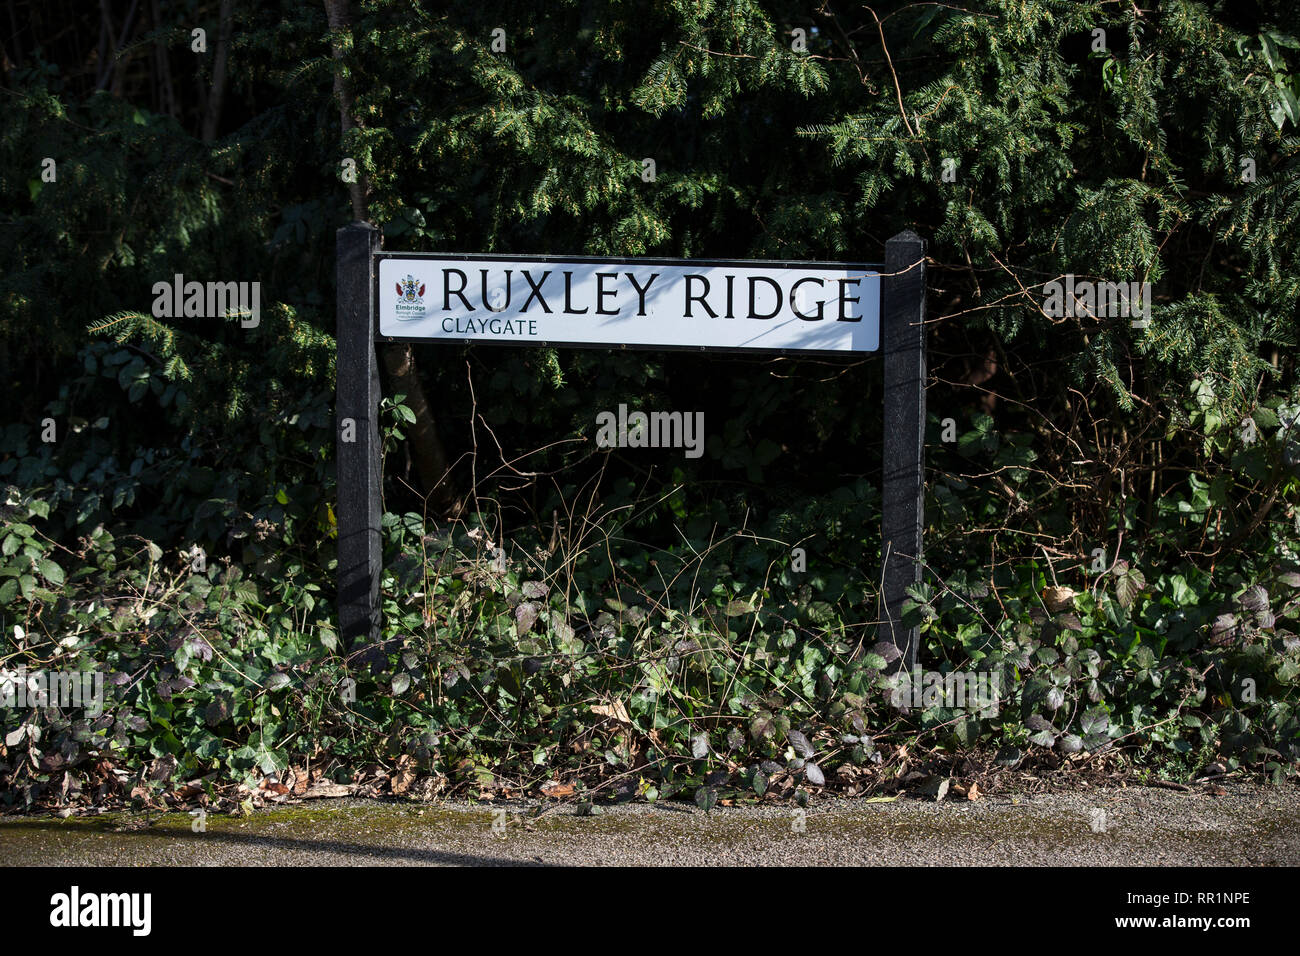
357,419
902,321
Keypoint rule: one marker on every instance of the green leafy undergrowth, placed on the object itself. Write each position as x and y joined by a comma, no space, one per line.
712,669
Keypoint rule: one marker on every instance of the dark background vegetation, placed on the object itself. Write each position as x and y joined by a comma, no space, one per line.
630,620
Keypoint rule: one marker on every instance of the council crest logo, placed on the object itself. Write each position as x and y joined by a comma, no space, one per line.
408,290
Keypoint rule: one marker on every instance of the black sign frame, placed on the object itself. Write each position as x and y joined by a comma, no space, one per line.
358,396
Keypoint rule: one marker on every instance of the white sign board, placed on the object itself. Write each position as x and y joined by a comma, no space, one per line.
822,307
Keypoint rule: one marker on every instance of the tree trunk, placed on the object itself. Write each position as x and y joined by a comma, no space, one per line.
166,92
212,115
111,72
399,359
430,456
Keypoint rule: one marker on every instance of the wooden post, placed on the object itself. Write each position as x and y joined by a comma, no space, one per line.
357,399
902,331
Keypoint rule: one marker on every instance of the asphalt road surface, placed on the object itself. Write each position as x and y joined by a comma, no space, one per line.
1248,826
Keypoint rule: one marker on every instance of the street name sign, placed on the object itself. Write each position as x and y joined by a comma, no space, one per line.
735,306
630,303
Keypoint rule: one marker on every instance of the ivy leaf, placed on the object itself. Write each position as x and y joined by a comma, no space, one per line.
1044,738
967,731
1222,630
1008,756
1254,599
177,684
874,661
216,711
762,726
700,746
814,774
50,571
706,798
886,650
820,612
401,681
525,618
1046,733
1094,721
1129,583
800,744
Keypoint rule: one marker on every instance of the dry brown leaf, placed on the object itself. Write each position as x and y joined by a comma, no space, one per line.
402,776
974,792
299,785
616,710
557,790
428,787
327,790
1058,598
